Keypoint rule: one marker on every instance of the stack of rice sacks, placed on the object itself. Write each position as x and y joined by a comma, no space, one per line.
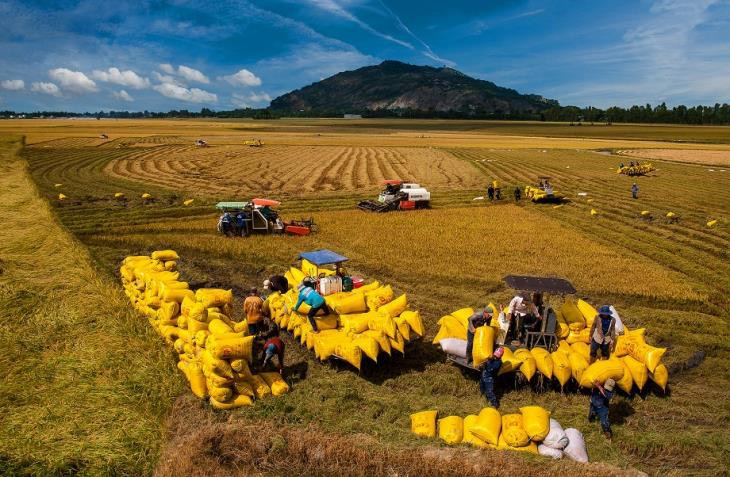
530,430
214,352
365,321
631,365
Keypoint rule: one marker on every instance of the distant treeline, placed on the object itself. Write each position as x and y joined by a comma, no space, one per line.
717,114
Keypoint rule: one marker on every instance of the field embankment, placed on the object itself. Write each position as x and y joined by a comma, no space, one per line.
85,384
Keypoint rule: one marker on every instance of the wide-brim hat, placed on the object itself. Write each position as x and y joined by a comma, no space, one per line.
609,384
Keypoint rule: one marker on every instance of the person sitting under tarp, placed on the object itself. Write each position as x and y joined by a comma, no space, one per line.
241,224
524,317
603,333
480,318
490,369
268,213
225,222
308,295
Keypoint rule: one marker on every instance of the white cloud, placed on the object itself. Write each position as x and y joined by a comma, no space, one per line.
45,88
74,81
192,95
246,101
313,61
124,78
13,85
192,74
122,96
167,79
243,78
167,68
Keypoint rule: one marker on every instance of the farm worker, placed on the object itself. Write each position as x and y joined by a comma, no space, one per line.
518,194
600,397
225,222
253,308
490,192
490,368
480,318
603,333
274,346
497,190
504,321
621,166
548,187
635,191
522,314
277,283
308,295
240,224
267,212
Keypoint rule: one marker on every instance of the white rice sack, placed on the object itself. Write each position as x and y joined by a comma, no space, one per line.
542,449
576,448
454,346
556,438
619,324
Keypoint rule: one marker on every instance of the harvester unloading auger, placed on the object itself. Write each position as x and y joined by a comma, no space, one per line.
398,195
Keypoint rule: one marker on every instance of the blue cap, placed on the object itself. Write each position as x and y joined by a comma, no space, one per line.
605,310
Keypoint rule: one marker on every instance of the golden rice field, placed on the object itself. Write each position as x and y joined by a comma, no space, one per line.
692,156
672,278
230,171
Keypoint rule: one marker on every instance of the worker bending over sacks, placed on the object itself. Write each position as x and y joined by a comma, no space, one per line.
308,295
490,369
600,397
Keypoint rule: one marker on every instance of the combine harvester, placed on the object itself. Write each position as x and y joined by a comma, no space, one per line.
636,169
560,348
398,195
544,193
258,217
365,321
253,143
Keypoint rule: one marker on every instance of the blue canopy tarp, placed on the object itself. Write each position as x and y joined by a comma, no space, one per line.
323,257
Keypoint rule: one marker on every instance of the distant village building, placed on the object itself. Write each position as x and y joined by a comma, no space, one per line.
352,116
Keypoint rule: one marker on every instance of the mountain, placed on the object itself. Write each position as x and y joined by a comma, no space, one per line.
395,86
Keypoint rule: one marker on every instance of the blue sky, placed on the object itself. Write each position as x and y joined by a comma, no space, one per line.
160,55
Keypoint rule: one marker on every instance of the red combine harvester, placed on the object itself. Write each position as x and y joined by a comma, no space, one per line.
398,195
258,217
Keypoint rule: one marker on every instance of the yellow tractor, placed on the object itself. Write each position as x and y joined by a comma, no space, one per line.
543,193
253,143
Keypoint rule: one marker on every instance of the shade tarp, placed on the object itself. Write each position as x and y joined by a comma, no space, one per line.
323,257
540,284
231,205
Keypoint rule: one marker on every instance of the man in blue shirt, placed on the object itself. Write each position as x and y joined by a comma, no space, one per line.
480,318
308,295
490,369
600,397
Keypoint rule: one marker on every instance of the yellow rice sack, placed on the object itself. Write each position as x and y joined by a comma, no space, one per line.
626,383
356,323
561,366
218,327
197,380
240,366
602,370
352,303
230,347
368,345
220,394
510,363
483,344
469,438
198,312
237,401
451,429
647,354
260,388
398,343
582,349
424,423
582,336
578,364
381,338
513,432
168,310
164,255
350,352
382,322
588,312
395,307
638,370
571,313
403,328
463,315
242,386
530,447
660,376
529,366
544,361
217,365
378,297
488,426
536,422
276,383
413,318
214,297
450,327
